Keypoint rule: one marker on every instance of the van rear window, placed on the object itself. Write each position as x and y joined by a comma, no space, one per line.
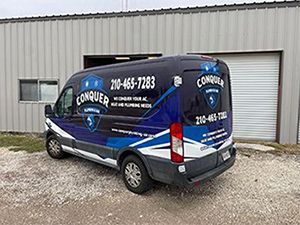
207,93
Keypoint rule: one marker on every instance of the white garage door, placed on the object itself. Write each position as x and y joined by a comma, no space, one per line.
254,79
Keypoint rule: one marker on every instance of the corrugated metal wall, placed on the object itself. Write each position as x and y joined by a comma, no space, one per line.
55,49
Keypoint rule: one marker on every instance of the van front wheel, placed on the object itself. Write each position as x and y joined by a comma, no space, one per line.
54,148
135,175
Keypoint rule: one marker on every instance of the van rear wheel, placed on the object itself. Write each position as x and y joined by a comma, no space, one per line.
135,175
54,148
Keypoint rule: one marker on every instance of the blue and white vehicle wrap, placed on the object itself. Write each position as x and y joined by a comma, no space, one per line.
118,109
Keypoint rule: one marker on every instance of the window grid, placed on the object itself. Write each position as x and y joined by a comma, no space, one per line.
38,90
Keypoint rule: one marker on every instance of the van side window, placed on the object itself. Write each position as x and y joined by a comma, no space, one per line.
64,106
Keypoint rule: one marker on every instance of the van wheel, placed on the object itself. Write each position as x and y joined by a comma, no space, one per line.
135,175
54,148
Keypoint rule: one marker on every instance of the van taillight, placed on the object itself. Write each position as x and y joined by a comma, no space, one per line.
176,143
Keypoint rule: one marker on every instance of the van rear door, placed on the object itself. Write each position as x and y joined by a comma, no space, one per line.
206,111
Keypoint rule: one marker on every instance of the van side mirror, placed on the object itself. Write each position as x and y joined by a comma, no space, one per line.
48,111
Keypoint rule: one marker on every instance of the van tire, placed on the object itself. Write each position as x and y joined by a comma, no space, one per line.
141,181
54,148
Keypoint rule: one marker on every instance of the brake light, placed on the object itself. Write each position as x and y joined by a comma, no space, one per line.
176,143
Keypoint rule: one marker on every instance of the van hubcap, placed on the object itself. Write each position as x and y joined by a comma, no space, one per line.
133,174
54,146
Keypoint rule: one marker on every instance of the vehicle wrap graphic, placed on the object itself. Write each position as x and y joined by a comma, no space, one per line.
206,108
201,140
164,95
210,83
164,111
135,110
92,101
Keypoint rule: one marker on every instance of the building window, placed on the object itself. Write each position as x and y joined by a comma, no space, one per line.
48,91
28,90
38,90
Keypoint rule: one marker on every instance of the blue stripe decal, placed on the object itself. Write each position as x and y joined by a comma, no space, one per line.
120,142
195,133
168,92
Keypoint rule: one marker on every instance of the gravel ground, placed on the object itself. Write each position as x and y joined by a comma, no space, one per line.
34,189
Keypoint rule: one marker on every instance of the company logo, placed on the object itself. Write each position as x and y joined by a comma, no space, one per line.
210,83
92,101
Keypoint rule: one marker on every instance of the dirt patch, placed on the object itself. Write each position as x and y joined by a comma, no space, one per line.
35,189
270,147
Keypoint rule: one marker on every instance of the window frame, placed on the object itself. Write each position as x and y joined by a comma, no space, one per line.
38,89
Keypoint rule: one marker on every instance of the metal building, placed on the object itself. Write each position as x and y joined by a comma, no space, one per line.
259,41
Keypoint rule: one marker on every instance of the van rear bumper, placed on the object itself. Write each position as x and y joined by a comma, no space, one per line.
167,172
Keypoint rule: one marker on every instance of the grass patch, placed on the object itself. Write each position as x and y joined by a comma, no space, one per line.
16,142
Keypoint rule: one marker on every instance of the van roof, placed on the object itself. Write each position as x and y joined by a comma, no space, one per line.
146,61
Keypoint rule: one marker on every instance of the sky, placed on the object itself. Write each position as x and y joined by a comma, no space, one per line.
22,8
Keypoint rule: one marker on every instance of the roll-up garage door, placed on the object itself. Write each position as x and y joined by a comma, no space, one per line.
254,79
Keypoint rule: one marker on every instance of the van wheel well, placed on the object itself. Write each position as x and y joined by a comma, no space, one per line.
125,154
49,134
129,152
